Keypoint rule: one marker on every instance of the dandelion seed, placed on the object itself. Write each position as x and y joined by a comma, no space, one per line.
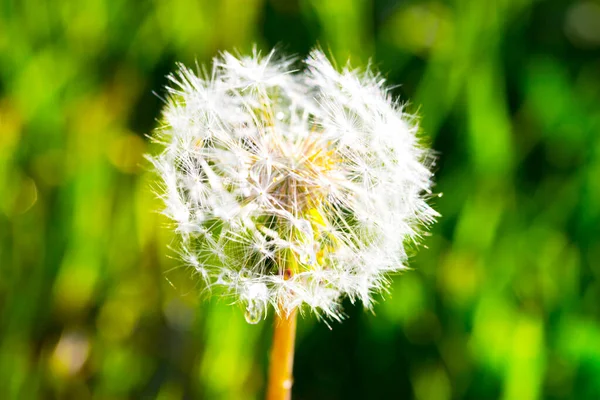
292,189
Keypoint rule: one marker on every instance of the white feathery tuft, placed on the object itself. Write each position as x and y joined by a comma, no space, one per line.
291,188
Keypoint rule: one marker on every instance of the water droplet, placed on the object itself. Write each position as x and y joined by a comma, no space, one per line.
253,314
308,258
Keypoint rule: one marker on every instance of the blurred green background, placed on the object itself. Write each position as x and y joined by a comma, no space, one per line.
504,303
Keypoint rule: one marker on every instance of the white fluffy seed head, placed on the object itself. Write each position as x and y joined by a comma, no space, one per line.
291,188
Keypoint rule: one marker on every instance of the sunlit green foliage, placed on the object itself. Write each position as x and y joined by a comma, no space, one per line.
504,303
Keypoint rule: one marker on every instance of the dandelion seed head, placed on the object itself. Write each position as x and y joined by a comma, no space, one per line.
291,188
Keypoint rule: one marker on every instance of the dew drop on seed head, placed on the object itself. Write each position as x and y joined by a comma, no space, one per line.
253,314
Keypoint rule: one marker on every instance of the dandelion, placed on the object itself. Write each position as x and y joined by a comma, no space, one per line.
291,189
